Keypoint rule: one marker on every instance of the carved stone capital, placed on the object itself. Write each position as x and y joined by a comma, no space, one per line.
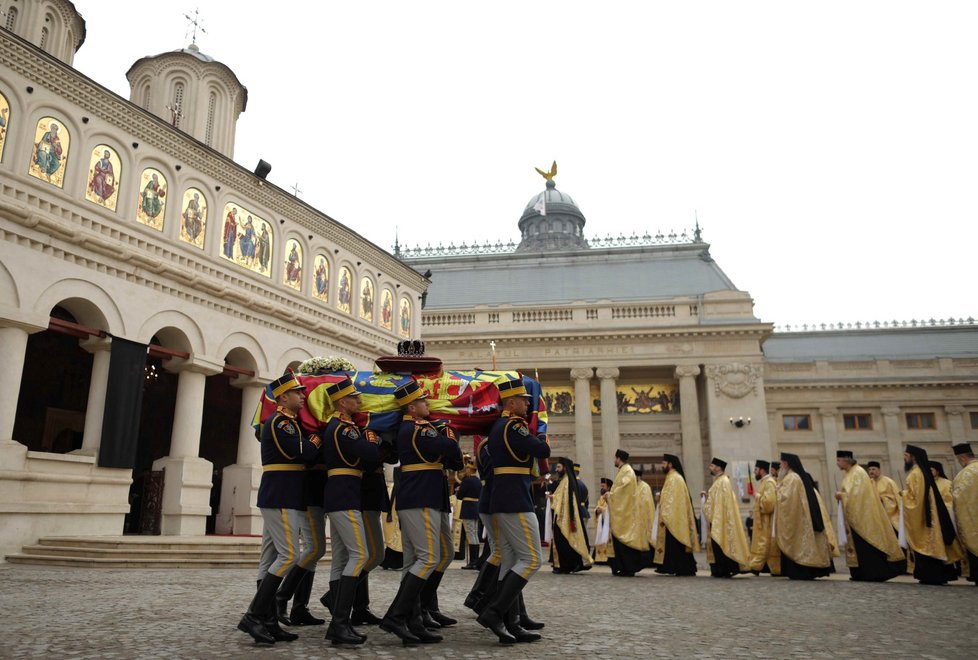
734,380
687,371
954,410
890,411
194,364
828,412
582,373
607,372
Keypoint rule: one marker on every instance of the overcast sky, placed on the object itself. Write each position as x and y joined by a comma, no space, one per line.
830,149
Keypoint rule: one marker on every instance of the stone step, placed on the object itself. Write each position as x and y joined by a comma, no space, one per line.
92,552
88,562
183,544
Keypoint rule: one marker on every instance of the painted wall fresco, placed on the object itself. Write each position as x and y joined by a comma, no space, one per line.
642,399
247,239
292,272
387,310
193,217
104,177
404,318
366,299
344,296
49,158
320,282
151,206
4,121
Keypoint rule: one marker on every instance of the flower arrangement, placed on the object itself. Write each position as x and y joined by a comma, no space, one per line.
324,365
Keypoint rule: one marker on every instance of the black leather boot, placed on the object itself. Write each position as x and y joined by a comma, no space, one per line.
512,621
491,588
300,615
473,558
417,627
493,617
327,598
429,601
253,622
486,573
525,620
362,616
340,631
285,592
395,621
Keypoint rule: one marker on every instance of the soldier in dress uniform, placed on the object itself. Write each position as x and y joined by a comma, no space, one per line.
376,503
346,450
469,491
422,507
285,449
513,450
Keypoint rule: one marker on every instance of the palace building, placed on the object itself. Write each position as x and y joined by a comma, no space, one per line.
149,287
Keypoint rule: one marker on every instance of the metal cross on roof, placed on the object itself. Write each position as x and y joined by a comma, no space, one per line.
196,23
295,189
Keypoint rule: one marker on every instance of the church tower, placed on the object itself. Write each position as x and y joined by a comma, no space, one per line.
54,26
192,91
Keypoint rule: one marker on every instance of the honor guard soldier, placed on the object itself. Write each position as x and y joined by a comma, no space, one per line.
513,450
469,491
422,506
346,449
485,584
285,449
376,502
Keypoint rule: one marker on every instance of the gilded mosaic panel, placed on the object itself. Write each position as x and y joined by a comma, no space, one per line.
404,318
344,297
104,175
4,122
387,310
642,399
292,273
193,217
321,278
151,207
52,142
247,239
366,299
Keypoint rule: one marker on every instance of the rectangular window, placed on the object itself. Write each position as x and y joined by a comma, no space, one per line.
858,422
921,421
974,420
797,422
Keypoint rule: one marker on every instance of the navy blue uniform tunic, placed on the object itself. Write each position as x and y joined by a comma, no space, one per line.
346,450
513,449
424,454
285,451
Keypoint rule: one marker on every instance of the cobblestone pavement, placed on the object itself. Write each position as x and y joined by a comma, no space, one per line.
74,613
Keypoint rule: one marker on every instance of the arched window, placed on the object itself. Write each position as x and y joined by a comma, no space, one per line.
11,19
209,132
44,38
147,95
177,104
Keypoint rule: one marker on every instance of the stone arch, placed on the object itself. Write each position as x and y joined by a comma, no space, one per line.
89,303
175,330
243,350
8,288
290,358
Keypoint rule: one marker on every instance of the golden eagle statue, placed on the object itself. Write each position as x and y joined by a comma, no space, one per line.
549,176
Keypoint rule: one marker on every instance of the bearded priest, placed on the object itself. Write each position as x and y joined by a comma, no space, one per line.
727,552
804,534
675,534
630,544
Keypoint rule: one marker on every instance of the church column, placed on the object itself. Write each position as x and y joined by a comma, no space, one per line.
583,431
13,348
238,513
956,424
101,350
893,431
830,435
689,415
609,421
188,478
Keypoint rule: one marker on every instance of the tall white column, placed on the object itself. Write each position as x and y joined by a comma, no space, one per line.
101,350
13,348
893,428
689,416
610,439
238,513
830,434
583,431
188,478
956,423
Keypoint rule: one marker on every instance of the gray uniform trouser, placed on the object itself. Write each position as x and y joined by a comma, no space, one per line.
421,536
350,553
281,530
492,536
312,533
519,543
374,530
471,530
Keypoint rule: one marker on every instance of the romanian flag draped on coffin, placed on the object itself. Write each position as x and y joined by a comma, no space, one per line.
468,400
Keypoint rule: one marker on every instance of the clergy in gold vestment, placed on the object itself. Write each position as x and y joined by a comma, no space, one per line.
764,557
393,549
955,553
873,553
628,531
889,493
803,531
964,491
676,539
727,551
646,512
927,520
601,551
569,548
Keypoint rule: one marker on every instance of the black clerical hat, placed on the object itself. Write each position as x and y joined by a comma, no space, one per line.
719,463
764,465
874,464
963,448
842,453
622,454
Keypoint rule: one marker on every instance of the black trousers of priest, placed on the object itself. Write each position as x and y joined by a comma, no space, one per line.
628,561
675,560
722,566
795,571
873,566
569,559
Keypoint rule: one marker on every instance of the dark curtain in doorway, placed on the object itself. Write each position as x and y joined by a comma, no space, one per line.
123,404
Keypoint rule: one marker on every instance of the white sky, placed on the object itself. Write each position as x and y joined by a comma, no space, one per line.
829,148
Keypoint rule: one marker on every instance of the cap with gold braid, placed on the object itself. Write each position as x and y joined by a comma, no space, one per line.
286,383
344,388
513,387
409,392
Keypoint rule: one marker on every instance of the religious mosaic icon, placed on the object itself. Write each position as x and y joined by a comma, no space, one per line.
387,310
321,278
152,198
630,399
4,122
104,174
366,299
247,239
50,154
404,318
292,274
193,218
344,297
